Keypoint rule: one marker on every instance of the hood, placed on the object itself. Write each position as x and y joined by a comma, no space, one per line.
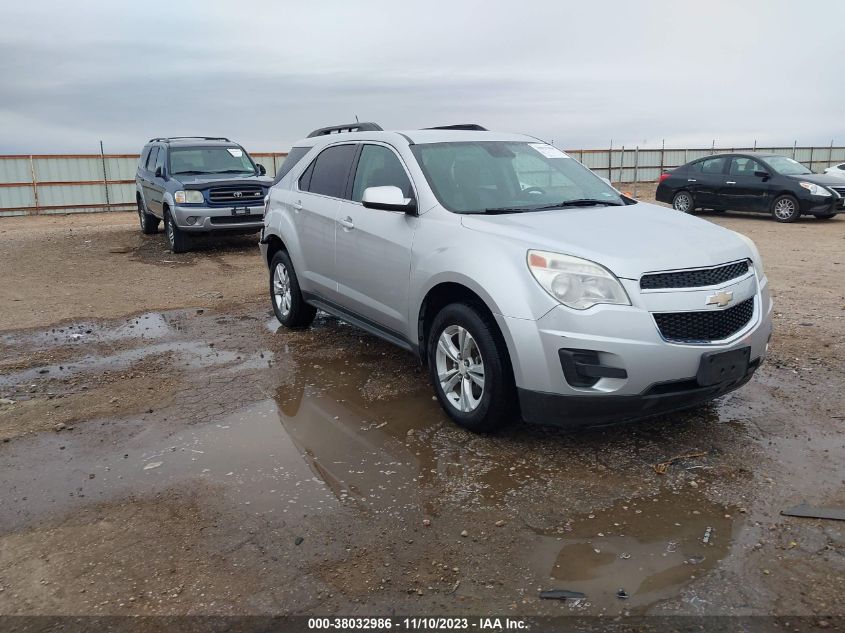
200,181
819,179
628,240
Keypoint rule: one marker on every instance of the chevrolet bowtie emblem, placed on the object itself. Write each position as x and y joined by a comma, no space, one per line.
720,299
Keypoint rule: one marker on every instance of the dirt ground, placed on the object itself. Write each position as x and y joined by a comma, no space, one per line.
167,449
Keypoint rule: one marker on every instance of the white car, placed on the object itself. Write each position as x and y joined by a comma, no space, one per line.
836,170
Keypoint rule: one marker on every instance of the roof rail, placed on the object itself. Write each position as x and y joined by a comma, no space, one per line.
473,127
348,127
200,138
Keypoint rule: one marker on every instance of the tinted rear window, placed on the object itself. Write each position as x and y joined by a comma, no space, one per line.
293,157
331,170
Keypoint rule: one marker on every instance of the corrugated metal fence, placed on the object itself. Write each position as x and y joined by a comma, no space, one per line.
78,183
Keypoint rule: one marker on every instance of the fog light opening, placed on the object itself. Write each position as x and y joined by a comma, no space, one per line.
191,219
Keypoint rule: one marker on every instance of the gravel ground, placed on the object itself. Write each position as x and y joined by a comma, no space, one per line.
168,450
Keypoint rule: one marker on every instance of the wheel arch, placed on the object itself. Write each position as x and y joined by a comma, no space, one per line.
441,295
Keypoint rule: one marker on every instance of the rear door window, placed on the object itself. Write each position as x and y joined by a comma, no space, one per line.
710,165
331,171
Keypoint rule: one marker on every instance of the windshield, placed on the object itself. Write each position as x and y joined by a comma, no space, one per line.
210,160
786,166
499,176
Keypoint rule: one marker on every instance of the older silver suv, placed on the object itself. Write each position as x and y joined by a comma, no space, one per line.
523,281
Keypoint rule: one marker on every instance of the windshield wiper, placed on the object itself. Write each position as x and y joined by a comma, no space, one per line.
232,171
495,210
192,172
579,202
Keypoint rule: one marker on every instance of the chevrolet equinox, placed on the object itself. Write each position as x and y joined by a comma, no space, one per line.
525,283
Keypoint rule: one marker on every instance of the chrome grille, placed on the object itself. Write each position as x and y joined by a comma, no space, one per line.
694,278
704,325
236,194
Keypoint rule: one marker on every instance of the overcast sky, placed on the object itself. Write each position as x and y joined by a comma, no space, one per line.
267,73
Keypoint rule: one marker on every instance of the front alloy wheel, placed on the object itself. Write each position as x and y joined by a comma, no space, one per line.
785,209
460,368
469,367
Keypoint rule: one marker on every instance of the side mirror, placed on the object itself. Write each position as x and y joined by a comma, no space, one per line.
761,174
388,199
159,172
261,170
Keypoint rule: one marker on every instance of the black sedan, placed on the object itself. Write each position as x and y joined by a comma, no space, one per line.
767,183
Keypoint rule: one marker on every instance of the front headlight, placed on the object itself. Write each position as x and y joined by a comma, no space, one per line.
815,189
756,260
191,196
575,282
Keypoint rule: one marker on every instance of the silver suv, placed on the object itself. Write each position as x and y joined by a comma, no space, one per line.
522,280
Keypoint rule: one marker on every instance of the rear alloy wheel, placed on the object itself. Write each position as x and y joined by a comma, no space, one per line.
683,202
785,209
149,223
289,306
470,369
178,241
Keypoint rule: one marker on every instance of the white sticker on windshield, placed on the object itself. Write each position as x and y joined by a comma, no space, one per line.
548,151
234,151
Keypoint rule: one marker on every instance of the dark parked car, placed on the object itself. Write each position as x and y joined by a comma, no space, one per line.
199,185
767,183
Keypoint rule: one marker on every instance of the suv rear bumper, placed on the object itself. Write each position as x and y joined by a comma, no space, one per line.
212,219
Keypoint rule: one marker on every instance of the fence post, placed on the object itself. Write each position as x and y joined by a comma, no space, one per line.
662,151
610,161
794,145
755,145
811,157
622,165
713,147
830,154
35,183
636,168
105,177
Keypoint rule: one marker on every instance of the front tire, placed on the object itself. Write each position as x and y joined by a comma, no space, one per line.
149,223
289,306
178,241
470,368
683,202
785,209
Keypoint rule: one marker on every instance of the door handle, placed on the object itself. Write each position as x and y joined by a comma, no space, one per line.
347,223
691,180
298,206
730,182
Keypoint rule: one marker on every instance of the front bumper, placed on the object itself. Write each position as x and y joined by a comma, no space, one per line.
658,375
584,411
223,219
822,204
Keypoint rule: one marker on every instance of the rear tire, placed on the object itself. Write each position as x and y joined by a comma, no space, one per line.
474,384
785,209
149,223
683,202
826,216
178,241
289,306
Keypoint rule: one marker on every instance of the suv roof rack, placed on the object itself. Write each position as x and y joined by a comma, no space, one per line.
200,138
474,127
348,127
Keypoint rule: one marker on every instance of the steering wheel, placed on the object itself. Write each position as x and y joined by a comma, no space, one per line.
539,190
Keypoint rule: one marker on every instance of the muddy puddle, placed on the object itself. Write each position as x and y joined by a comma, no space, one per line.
637,551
